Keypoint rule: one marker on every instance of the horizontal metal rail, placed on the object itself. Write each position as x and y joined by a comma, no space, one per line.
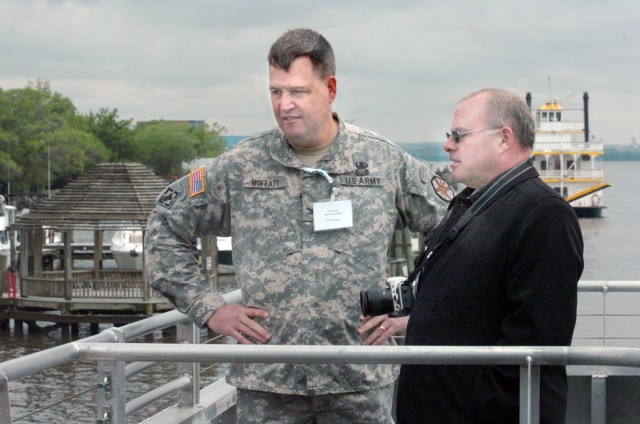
528,358
156,394
39,361
110,346
424,355
604,286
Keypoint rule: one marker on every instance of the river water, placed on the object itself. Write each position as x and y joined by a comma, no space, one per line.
612,246
75,384
612,252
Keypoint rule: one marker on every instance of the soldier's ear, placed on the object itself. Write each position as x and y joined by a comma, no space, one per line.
332,86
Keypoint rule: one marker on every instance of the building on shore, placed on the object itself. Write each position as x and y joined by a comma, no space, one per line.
108,198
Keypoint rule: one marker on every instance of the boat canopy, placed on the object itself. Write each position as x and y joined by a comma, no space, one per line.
549,112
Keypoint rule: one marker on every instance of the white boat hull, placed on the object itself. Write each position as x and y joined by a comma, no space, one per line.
128,252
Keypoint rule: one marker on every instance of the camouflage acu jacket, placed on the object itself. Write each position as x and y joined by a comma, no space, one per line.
308,280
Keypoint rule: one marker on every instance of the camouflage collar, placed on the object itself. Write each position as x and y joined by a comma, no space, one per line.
339,160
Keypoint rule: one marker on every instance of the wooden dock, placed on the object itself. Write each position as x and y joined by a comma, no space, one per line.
111,296
38,313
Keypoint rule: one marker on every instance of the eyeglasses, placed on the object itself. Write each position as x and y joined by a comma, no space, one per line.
457,135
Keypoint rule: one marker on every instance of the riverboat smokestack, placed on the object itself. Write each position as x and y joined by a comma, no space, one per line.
528,97
585,99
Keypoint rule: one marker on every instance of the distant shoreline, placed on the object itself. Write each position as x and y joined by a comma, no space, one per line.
432,151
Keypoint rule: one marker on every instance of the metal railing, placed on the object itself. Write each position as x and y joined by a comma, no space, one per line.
585,175
608,314
565,142
103,284
110,351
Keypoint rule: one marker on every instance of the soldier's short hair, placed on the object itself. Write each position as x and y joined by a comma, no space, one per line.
303,42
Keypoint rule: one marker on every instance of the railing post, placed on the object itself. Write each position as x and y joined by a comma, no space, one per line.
98,237
112,396
112,400
68,264
146,290
187,332
598,399
529,393
5,405
605,290
23,266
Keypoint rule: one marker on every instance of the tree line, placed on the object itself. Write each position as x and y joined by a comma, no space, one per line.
622,153
44,141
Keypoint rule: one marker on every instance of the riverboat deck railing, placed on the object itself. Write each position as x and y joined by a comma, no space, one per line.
590,175
598,352
557,142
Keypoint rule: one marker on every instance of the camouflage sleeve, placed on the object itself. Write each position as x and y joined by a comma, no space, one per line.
425,196
170,247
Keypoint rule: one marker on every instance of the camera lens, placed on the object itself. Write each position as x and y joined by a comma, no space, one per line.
376,301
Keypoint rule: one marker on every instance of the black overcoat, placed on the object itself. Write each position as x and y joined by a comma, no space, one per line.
509,278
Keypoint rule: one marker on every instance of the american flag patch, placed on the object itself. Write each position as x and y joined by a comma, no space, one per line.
196,182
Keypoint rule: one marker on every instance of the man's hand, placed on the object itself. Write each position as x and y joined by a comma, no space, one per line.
381,328
237,321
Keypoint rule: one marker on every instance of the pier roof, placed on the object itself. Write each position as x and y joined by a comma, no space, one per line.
109,196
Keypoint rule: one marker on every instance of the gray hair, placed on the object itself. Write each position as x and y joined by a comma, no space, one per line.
303,42
506,109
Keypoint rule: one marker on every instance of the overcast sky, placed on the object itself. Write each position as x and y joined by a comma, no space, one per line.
402,65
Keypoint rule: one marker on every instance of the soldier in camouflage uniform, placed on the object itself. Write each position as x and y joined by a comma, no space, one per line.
311,206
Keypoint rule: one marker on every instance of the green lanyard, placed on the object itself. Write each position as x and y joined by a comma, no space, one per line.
334,190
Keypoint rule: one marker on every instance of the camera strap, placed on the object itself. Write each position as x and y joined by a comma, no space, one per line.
487,197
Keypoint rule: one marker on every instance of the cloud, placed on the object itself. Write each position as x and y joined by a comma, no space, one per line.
401,65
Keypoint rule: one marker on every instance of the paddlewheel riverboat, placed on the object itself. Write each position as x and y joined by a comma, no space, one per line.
568,157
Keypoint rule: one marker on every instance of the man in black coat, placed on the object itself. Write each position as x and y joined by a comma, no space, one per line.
502,270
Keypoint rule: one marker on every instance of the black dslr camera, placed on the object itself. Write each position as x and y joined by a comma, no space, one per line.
396,299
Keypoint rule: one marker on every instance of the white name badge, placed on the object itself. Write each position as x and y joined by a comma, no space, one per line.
332,215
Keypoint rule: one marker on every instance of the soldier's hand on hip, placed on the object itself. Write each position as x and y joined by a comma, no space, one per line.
238,322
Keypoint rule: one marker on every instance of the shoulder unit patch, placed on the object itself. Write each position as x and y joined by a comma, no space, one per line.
168,197
442,188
